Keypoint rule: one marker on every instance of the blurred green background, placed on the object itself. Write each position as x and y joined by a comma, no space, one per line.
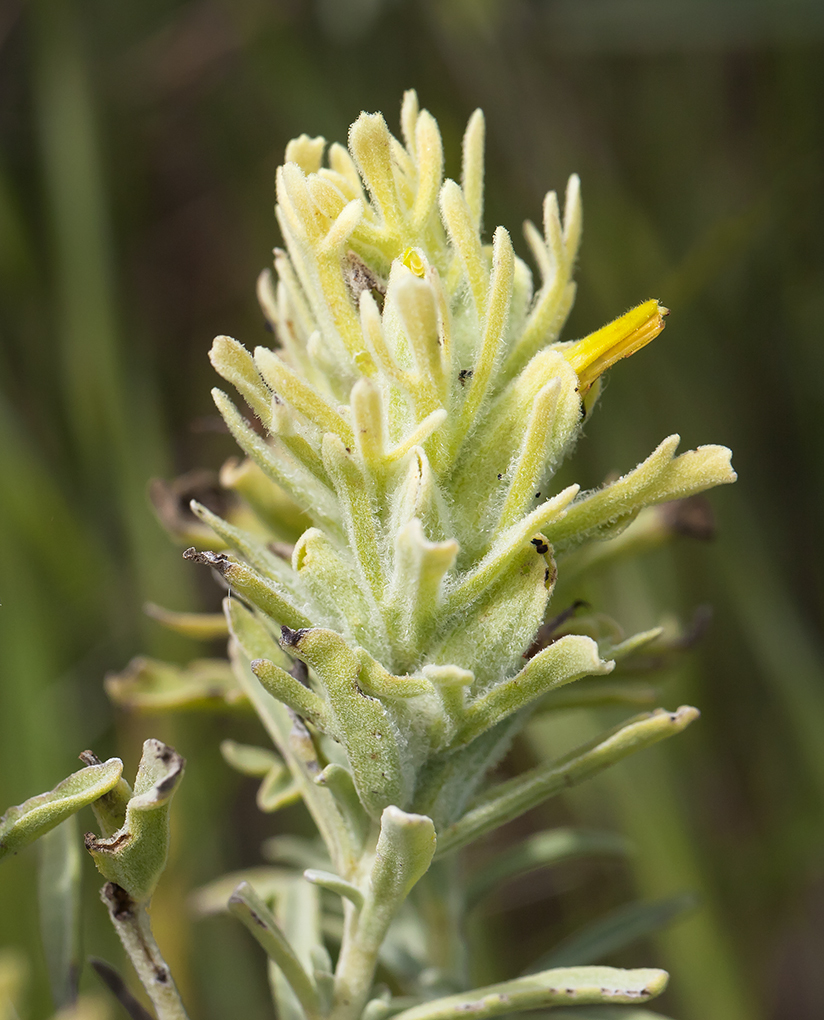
139,143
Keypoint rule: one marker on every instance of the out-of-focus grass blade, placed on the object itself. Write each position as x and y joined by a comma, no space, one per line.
616,930
13,974
35,510
59,896
791,657
542,850
115,427
649,800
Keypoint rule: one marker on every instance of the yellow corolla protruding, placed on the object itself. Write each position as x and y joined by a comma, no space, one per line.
618,339
411,258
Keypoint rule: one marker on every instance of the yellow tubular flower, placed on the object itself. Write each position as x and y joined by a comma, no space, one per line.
623,336
411,258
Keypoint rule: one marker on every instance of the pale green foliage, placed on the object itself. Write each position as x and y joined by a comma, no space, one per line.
25,823
134,855
562,987
416,411
391,554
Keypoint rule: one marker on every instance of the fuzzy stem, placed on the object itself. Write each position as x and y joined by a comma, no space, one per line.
355,970
358,957
131,922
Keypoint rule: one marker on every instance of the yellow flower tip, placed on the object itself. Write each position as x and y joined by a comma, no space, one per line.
627,334
411,258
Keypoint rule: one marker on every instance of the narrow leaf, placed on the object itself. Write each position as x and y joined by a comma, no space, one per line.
200,626
360,721
26,822
250,585
214,897
135,855
540,851
291,692
335,884
509,800
249,908
562,987
618,929
247,759
565,660
278,790
605,1013
58,893
148,685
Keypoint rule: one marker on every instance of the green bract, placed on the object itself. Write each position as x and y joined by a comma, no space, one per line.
416,410
133,855
393,542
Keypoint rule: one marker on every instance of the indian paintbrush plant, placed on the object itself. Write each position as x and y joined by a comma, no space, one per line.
390,552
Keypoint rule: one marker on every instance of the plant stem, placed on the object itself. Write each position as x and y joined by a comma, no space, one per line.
355,970
363,934
131,922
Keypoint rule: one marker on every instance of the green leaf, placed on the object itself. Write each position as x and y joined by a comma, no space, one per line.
509,800
249,760
660,478
249,908
358,513
338,780
26,822
199,626
489,638
275,463
360,721
58,893
597,692
540,851
404,852
148,685
253,550
214,897
605,1013
564,661
298,913
110,809
269,596
632,644
291,692
618,929
278,790
270,503
329,575
252,632
414,593
335,884
135,855
562,987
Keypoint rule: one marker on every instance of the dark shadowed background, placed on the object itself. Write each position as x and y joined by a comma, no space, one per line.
139,143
